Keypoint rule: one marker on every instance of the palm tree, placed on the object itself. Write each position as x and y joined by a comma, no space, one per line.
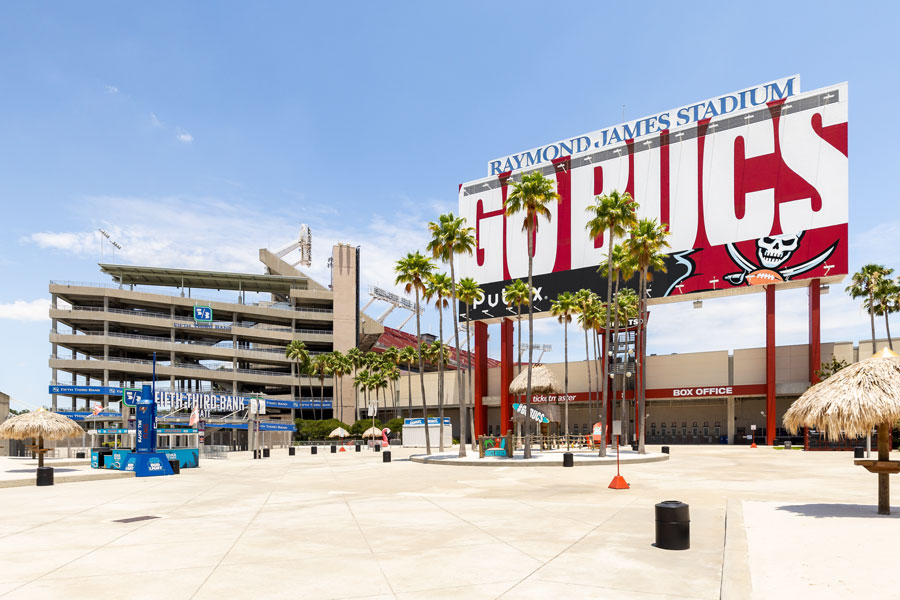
355,356
612,214
437,288
412,272
887,294
593,317
623,267
626,307
392,356
532,196
517,293
586,300
864,285
451,236
563,308
296,351
645,245
409,355
340,366
321,367
361,382
469,293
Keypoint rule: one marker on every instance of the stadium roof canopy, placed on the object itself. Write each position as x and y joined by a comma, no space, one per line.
213,280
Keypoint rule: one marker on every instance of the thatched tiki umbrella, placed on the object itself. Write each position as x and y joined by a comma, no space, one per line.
850,403
542,382
41,424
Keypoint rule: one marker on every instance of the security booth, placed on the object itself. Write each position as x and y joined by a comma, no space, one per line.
181,444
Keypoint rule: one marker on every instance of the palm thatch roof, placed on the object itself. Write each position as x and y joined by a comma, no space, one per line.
852,401
339,432
40,423
542,382
372,432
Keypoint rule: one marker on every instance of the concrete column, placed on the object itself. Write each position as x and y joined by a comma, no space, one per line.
506,374
480,376
770,365
729,418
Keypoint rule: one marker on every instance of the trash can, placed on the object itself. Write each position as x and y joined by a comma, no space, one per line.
377,447
787,445
673,525
313,450
568,459
358,447
292,451
266,453
386,456
634,445
859,452
333,449
176,465
79,455
45,475
665,449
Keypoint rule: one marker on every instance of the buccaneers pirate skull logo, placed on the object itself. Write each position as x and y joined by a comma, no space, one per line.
772,253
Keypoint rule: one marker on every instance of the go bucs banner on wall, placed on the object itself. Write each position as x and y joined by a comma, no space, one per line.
540,414
752,185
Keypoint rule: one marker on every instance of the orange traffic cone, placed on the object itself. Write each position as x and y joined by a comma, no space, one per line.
619,483
342,449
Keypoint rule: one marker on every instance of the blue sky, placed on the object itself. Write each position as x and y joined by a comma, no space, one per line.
199,132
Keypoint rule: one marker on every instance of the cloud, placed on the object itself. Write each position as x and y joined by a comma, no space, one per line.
183,136
22,310
110,89
155,121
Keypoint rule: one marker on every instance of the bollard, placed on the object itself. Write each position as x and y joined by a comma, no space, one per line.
859,452
358,447
634,446
333,448
665,449
79,455
292,451
386,456
568,458
377,447
673,525
313,450
265,453
176,466
45,476
787,445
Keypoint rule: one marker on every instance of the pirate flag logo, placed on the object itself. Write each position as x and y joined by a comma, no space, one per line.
773,253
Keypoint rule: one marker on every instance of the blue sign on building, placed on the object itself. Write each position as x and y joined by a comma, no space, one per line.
203,314
420,422
86,390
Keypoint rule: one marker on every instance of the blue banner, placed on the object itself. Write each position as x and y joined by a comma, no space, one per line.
297,403
176,431
431,421
118,431
86,390
263,426
80,415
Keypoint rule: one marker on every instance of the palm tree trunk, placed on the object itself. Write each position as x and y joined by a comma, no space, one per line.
601,381
587,362
614,344
566,378
872,318
519,356
887,326
459,381
606,341
441,376
422,373
470,399
642,406
530,341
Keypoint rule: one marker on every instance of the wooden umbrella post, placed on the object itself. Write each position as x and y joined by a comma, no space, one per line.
884,453
41,452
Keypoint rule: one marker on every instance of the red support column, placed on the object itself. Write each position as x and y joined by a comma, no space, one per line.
815,342
506,374
770,364
480,377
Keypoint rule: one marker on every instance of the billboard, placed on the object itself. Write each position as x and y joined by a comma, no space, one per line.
752,185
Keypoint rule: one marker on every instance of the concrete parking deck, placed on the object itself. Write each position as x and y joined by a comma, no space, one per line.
348,525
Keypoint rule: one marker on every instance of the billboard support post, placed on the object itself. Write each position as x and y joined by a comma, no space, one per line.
480,377
506,374
815,342
770,365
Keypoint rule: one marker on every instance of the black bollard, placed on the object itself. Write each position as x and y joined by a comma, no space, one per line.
333,448
673,525
665,449
313,450
859,452
265,453
176,466
386,456
359,447
568,459
45,475
377,447
292,451
79,455
634,445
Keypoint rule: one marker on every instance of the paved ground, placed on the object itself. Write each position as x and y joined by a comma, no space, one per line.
349,526
22,471
548,458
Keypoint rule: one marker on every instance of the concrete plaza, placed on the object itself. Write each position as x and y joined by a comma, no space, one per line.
765,523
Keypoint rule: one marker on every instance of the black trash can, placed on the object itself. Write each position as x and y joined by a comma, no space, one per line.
313,450
859,452
377,447
386,456
292,451
634,446
673,525
359,447
176,465
333,449
79,455
568,459
265,453
45,475
665,449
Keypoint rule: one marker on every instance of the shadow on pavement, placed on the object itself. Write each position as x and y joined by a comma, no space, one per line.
825,511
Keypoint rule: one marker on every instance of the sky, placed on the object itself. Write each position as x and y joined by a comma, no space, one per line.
197,133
